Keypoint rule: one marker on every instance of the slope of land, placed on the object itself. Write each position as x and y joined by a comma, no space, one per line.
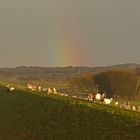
24,115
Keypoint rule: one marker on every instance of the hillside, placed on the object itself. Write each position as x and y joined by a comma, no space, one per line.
24,115
57,73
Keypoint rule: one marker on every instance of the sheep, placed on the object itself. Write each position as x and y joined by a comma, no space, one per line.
49,91
66,95
116,103
45,89
54,91
29,86
9,88
133,108
74,96
125,105
63,94
98,96
108,101
34,88
12,88
39,88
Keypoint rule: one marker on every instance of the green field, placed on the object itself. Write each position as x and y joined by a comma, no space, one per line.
27,116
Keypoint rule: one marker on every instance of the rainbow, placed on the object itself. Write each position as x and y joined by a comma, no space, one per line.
65,49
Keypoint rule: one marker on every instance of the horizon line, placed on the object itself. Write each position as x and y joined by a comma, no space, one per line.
37,66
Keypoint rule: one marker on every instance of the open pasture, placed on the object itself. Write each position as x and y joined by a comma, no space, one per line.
24,115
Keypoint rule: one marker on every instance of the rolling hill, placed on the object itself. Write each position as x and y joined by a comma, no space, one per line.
24,115
57,73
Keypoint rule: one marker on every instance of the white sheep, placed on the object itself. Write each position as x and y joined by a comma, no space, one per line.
8,86
12,88
29,86
74,96
133,108
108,101
54,91
116,103
45,89
34,88
63,94
39,88
98,96
49,91
125,105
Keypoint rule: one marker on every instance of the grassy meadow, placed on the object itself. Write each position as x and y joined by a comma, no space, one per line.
25,115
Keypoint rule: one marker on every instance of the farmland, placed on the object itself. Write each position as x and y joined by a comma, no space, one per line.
24,115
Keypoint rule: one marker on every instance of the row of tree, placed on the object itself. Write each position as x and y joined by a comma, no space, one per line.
117,84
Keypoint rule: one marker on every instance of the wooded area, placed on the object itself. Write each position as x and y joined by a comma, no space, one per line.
117,84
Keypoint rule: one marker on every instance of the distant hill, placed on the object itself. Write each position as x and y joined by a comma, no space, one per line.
58,73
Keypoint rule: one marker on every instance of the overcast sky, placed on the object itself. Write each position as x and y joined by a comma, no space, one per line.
69,32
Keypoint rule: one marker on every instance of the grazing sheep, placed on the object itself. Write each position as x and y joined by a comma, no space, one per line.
98,96
49,91
133,108
125,105
74,96
34,88
108,101
116,103
63,94
29,86
39,88
10,88
54,91
45,89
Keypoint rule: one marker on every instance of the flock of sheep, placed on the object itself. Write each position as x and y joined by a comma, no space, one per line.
95,97
39,88
32,87
128,106
99,97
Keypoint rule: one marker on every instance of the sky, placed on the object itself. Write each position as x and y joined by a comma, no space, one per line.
53,33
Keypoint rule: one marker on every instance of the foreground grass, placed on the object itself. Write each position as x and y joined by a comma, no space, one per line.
26,116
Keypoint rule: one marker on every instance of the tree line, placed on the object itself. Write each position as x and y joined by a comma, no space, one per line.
117,84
